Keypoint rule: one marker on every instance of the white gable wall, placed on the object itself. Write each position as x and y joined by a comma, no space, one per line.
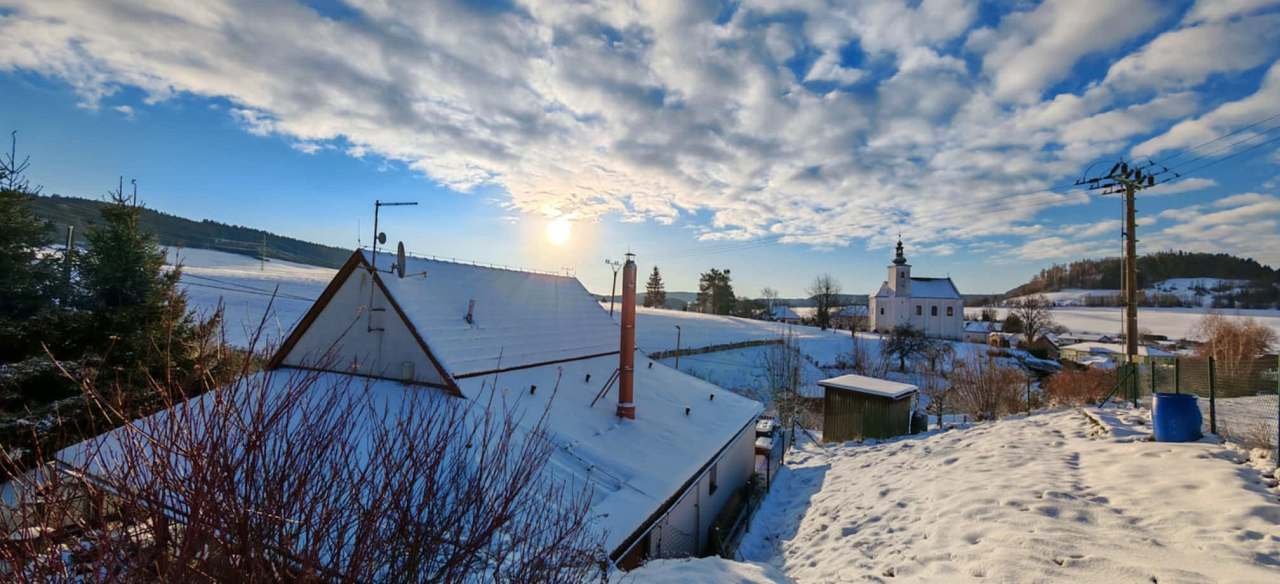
340,340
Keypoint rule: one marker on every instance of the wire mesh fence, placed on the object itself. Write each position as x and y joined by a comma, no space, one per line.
1239,399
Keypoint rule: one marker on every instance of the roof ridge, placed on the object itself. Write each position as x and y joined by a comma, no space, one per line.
479,264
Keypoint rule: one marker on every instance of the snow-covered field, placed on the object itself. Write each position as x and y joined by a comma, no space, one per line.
244,286
1195,291
1175,323
1048,497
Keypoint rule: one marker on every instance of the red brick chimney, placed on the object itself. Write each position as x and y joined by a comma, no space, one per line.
627,352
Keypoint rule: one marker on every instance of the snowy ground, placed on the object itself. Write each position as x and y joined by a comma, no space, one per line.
1175,323
245,285
1193,291
1043,498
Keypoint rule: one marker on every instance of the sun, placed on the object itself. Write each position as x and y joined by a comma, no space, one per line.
559,231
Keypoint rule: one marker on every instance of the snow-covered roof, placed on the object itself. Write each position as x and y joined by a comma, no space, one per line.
940,288
1116,349
783,312
982,326
633,466
934,288
520,318
870,385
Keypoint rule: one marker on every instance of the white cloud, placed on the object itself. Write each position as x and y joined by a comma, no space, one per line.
1218,10
1187,56
1206,130
1246,224
126,111
1186,185
655,111
1030,50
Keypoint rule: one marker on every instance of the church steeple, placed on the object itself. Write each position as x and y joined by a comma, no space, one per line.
899,259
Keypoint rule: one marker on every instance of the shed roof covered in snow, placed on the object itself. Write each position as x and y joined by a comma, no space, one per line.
870,385
1116,349
783,312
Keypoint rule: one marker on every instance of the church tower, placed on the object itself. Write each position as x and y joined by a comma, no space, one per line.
900,273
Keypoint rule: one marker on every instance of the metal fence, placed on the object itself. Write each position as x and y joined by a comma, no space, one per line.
1240,399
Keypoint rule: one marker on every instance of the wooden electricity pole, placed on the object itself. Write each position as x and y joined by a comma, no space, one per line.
1122,179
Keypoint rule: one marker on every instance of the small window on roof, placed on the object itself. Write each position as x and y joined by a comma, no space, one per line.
882,311
951,311
933,311
919,310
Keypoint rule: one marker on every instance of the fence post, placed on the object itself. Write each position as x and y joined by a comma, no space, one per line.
1177,375
1153,379
1131,376
1213,398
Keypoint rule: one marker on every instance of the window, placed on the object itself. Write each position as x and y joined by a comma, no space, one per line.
951,311
933,311
881,311
919,310
714,483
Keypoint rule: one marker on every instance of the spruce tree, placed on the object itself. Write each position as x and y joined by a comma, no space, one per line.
25,272
655,293
140,315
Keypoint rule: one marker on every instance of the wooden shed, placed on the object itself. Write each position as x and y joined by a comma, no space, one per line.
856,407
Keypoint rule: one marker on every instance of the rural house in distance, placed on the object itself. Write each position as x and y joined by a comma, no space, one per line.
932,305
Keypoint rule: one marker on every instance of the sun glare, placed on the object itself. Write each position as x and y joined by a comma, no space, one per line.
559,231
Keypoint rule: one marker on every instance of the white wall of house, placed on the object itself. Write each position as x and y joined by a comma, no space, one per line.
685,529
340,339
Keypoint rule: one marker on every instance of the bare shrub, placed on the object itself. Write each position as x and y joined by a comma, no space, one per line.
1235,344
985,389
1079,387
303,476
1249,435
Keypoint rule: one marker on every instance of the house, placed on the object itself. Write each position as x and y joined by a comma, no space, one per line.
977,331
663,452
932,305
1093,352
850,318
785,314
856,407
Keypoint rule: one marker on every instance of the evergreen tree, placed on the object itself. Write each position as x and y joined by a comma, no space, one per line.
715,292
25,275
140,316
655,293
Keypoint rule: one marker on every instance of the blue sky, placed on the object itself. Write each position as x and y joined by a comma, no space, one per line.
779,139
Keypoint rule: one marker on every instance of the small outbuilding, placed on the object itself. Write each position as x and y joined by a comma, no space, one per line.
857,407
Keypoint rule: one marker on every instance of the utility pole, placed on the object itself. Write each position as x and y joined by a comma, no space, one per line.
613,291
1126,180
678,331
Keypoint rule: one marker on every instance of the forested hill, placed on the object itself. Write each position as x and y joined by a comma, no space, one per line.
176,231
1105,273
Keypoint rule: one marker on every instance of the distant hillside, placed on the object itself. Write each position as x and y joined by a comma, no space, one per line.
1228,280
175,231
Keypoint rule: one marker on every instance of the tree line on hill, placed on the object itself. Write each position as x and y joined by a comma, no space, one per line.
1263,289
170,230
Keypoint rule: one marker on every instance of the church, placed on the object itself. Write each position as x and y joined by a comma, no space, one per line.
932,305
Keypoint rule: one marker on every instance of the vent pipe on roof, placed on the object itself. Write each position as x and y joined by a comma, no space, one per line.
627,350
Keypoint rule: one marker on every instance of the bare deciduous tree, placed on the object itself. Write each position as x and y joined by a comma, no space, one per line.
1034,314
302,476
825,292
1233,343
905,342
784,369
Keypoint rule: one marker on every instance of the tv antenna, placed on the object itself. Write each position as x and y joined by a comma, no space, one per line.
616,265
378,236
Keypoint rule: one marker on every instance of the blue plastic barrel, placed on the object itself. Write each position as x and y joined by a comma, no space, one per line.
1176,417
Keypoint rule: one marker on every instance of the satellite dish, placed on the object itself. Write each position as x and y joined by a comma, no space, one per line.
399,268
382,238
